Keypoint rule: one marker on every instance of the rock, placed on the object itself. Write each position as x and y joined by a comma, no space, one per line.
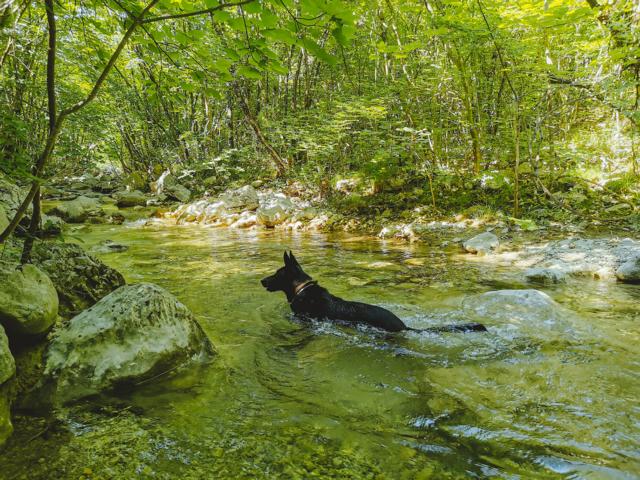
192,212
78,210
245,220
598,258
545,276
4,221
257,183
7,364
125,198
109,246
629,272
210,181
7,370
10,196
274,210
244,198
168,186
28,300
346,185
530,310
133,334
52,226
481,244
79,278
177,192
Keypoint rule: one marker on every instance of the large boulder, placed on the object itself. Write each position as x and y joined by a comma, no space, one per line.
244,198
629,271
80,279
78,210
132,335
131,198
274,210
10,196
482,244
28,300
7,370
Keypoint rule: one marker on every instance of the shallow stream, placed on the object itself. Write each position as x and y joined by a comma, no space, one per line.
533,398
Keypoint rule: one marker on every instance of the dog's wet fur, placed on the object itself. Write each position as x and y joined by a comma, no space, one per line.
309,299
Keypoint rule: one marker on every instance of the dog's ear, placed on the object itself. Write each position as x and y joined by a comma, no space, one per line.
293,259
287,260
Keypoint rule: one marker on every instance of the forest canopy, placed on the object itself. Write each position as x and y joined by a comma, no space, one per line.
448,103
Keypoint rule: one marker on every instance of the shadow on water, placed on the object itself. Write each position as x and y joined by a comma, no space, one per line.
545,396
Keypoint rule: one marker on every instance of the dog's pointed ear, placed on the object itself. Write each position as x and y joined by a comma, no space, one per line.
294,261
287,260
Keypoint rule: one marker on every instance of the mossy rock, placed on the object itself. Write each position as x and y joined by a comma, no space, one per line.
79,278
28,300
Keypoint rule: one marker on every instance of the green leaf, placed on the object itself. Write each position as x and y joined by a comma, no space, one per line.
249,72
253,7
280,35
268,19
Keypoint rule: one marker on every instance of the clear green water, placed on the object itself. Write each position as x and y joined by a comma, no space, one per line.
290,400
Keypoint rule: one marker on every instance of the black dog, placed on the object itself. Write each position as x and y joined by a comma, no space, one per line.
309,299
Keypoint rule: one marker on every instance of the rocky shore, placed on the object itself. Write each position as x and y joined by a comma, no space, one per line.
70,326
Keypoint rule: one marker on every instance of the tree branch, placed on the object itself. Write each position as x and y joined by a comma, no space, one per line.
197,12
114,57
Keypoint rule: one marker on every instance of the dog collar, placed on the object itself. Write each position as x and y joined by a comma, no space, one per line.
302,287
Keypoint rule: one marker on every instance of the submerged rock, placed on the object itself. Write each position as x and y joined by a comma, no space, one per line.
134,198
481,244
28,300
521,312
79,278
545,276
78,210
629,271
109,246
134,334
510,303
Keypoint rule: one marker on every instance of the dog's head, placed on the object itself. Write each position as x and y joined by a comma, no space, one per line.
286,278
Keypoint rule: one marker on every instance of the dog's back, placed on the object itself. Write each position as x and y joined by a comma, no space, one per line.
317,302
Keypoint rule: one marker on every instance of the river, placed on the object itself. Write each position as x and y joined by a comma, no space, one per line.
285,399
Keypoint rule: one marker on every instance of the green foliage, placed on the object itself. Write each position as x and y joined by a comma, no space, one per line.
458,103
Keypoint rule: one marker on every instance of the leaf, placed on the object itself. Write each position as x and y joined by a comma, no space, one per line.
280,35
249,72
317,51
268,19
253,7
